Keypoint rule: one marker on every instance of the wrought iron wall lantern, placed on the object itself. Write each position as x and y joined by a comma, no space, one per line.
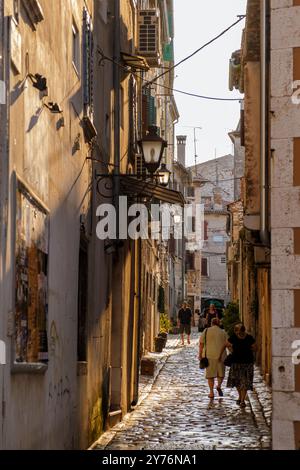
152,148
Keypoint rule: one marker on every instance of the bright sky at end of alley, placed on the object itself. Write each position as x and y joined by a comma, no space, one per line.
196,22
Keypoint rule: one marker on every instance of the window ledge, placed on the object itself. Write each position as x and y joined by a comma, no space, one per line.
24,368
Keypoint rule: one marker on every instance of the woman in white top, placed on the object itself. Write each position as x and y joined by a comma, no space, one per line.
212,344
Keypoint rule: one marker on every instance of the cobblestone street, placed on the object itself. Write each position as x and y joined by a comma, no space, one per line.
176,413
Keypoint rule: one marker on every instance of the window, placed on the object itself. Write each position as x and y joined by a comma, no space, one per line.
207,201
193,224
82,300
75,48
31,278
154,290
204,267
190,261
17,10
88,64
223,259
150,287
147,286
122,102
205,230
190,191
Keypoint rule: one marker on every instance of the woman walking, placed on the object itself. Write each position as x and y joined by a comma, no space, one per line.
213,343
242,346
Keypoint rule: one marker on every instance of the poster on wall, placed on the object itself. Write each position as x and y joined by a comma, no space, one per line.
32,242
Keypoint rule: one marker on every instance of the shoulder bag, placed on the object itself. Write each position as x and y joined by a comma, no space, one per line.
204,361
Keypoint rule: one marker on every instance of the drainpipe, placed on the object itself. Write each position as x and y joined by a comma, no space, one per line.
264,86
117,120
139,325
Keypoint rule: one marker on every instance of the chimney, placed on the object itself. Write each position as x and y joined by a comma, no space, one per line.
181,146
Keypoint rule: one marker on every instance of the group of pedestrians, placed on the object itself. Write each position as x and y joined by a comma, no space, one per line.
214,345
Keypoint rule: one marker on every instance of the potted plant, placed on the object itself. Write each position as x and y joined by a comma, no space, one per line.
164,327
159,343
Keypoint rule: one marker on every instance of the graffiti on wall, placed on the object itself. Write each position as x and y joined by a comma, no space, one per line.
32,240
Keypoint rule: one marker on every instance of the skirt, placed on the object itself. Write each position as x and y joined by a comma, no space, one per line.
241,376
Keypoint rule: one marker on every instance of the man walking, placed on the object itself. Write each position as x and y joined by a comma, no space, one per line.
184,322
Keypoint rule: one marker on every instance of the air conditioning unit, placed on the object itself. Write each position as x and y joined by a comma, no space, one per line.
149,36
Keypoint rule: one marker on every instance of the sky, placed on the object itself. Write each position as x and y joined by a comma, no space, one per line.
196,22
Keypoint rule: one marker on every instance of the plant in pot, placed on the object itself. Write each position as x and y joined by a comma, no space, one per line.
164,327
159,343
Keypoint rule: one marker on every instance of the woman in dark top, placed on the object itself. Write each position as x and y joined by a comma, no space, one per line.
242,347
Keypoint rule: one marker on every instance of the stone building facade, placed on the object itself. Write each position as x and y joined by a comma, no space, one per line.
71,304
217,191
269,274
254,238
285,220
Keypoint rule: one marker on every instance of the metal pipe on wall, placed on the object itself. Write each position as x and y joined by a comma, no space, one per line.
117,118
264,79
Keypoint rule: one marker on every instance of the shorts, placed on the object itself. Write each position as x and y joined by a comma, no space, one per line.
215,369
185,329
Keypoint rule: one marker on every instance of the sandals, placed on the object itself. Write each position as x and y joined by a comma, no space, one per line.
220,392
211,396
238,402
243,404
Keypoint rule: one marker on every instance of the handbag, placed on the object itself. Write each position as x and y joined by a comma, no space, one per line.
228,360
204,361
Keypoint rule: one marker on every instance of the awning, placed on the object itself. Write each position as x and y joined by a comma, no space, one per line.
135,61
145,189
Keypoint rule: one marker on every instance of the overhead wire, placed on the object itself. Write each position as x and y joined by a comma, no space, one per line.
148,82
241,18
152,82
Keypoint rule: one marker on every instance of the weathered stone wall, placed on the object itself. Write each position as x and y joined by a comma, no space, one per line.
285,134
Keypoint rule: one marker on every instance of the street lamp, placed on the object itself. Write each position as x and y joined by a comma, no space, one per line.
152,147
164,175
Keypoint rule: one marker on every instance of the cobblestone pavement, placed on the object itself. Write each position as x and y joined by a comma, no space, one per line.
176,413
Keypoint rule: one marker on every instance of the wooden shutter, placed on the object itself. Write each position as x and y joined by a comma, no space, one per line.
205,230
204,267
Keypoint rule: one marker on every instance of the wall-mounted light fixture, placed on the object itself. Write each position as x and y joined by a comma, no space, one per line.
164,175
152,147
53,107
39,82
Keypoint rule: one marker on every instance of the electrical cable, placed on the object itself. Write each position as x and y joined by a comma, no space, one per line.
241,18
147,82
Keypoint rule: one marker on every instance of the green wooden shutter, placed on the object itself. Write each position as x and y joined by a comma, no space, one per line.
152,111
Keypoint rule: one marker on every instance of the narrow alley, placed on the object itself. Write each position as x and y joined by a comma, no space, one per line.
176,413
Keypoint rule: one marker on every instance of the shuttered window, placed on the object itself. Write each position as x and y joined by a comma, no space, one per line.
82,300
190,261
88,65
204,267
